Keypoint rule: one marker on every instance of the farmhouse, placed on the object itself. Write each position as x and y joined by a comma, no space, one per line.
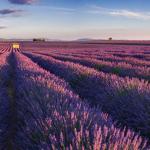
16,45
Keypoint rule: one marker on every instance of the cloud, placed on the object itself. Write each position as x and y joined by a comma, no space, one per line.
62,9
22,2
9,11
130,14
2,27
120,12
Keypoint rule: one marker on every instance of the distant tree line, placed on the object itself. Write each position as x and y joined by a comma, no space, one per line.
38,40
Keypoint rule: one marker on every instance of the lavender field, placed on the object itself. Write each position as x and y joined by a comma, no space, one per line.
75,96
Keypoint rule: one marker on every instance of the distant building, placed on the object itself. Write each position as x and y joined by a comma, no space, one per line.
16,45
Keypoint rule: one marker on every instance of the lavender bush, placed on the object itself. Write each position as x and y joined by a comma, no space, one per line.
117,96
56,118
121,69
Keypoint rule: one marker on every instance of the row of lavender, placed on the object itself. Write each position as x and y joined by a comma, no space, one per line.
139,52
39,111
4,99
102,56
56,118
87,47
127,100
120,52
121,69
52,117
127,66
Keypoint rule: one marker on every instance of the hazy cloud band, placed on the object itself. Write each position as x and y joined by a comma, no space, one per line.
21,2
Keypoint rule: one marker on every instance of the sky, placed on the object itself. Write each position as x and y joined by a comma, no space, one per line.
75,19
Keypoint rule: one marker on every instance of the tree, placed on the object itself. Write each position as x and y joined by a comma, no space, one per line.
110,38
